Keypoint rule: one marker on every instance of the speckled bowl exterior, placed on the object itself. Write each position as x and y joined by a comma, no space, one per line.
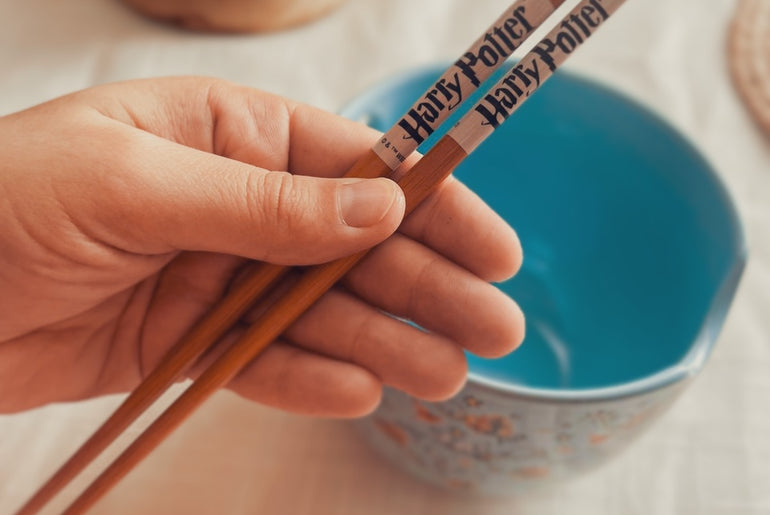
633,251
488,442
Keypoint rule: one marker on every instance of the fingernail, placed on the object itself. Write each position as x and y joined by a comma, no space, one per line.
365,202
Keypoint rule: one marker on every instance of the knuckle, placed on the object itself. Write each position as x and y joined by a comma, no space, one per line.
450,368
515,255
274,202
361,392
420,297
504,327
366,332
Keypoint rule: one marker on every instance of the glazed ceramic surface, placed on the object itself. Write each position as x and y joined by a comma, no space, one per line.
499,444
633,251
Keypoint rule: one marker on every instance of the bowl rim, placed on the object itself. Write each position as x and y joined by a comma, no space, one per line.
704,342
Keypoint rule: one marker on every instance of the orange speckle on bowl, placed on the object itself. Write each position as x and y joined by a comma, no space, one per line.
598,439
425,414
497,425
392,431
472,401
531,472
460,484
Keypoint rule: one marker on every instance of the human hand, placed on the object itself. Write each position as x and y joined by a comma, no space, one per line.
127,210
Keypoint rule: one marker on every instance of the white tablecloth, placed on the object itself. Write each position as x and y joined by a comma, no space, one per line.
709,455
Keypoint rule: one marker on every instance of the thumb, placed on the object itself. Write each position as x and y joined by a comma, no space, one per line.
168,197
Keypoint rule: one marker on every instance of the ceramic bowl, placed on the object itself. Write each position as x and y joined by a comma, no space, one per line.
633,251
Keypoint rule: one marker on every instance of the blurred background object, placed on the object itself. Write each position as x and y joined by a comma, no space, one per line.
749,56
235,15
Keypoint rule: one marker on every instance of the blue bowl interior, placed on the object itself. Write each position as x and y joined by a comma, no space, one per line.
632,247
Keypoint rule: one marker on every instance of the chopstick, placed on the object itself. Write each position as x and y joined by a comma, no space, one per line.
506,96
488,53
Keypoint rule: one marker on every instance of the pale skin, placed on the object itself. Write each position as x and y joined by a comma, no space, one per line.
127,210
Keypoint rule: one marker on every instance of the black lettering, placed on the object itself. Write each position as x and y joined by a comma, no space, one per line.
431,97
507,98
488,56
441,87
598,6
519,72
457,88
501,34
567,25
509,26
498,110
590,16
518,13
414,130
510,81
579,22
565,42
490,38
534,72
544,51
466,64
428,112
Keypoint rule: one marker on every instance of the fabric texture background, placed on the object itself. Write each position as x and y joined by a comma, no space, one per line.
709,455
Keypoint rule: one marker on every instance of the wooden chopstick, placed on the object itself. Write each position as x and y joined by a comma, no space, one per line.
475,65
505,97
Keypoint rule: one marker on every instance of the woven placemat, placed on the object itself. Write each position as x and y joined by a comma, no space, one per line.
749,56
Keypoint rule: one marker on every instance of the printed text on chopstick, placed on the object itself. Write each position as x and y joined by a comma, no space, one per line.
468,72
517,85
497,44
525,77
